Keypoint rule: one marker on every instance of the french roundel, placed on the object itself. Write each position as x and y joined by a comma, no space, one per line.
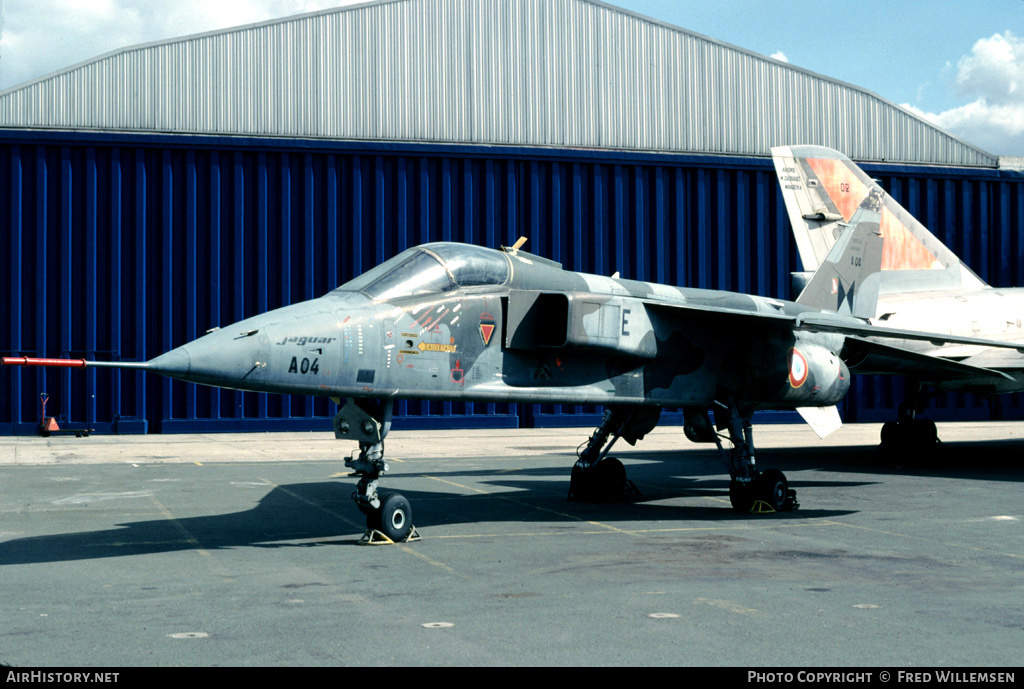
797,368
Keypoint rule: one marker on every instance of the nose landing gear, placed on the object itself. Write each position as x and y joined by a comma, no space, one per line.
388,517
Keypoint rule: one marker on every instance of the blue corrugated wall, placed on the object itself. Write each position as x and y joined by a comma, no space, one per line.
122,246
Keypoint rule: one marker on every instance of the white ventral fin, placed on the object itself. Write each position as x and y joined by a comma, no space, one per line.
822,420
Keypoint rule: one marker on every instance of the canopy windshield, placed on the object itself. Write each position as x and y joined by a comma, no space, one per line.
432,268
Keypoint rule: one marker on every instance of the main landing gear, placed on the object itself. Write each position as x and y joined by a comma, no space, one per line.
750,490
388,516
596,477
909,433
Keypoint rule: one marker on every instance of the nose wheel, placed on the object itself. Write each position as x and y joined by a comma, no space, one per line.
391,522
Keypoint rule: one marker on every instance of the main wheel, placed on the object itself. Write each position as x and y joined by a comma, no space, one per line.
910,439
610,478
890,434
773,488
741,495
926,435
393,518
604,482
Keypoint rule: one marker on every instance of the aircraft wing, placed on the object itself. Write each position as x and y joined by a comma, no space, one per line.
725,316
999,359
867,357
824,322
622,323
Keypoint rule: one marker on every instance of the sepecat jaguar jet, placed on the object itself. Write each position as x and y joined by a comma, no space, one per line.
921,285
459,322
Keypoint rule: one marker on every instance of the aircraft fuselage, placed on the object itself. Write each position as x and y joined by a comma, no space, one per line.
542,335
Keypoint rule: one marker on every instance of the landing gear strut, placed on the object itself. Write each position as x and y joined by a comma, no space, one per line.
750,490
388,516
596,477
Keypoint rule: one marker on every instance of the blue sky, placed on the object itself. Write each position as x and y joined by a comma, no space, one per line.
959,63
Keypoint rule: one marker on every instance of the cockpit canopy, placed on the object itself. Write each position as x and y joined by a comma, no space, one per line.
430,269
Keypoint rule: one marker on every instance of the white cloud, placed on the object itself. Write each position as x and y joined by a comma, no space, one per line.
994,70
993,75
980,122
780,56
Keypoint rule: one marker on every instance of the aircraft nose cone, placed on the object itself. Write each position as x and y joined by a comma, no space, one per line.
219,359
291,349
176,363
227,360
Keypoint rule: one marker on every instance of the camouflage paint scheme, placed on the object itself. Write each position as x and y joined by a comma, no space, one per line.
532,333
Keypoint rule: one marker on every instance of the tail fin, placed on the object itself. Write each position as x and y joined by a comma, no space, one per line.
823,190
847,281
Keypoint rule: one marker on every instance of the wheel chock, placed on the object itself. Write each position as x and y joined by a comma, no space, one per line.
761,507
375,537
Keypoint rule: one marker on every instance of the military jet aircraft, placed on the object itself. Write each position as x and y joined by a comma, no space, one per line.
921,285
459,322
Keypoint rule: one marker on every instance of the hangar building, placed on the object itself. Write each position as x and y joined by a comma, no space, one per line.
161,190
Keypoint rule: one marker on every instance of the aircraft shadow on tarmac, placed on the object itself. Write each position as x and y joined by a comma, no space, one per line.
321,513
298,515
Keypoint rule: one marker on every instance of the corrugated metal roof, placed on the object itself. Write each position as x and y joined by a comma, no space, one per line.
573,73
